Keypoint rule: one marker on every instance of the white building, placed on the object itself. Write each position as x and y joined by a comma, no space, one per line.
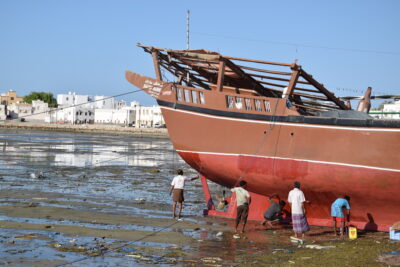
3,114
104,102
120,104
389,111
72,115
39,109
71,99
19,110
114,116
147,117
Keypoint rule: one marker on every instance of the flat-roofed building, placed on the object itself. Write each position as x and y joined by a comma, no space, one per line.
10,97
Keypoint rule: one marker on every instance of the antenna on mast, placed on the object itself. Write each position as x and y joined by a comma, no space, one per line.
187,29
187,41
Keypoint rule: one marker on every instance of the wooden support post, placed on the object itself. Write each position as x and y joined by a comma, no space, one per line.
292,83
154,53
323,90
207,195
221,73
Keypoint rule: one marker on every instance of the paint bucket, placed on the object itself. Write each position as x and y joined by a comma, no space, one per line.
352,233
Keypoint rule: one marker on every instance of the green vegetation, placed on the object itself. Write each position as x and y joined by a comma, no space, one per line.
45,97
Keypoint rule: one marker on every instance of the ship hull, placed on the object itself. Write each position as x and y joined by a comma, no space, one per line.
273,147
329,161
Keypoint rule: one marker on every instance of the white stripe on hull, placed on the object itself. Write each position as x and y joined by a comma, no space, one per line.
302,160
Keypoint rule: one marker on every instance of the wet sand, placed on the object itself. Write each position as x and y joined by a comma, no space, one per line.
103,200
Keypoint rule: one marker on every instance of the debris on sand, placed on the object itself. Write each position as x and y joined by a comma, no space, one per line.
319,247
32,204
389,259
211,260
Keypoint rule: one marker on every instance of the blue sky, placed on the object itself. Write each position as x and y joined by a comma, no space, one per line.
85,46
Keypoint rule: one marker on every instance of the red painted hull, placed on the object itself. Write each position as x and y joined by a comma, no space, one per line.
371,208
227,145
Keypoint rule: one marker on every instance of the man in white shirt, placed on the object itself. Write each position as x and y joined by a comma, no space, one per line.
177,185
299,220
243,201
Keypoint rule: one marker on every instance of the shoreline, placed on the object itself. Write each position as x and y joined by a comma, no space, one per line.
88,128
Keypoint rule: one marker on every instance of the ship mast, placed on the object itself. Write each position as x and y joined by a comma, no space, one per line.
187,41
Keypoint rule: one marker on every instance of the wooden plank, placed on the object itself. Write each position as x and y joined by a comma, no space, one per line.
307,90
220,81
311,96
292,83
259,61
252,82
154,53
325,91
265,71
273,84
308,107
274,78
191,76
315,103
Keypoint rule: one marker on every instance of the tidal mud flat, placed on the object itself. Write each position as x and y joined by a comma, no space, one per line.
80,199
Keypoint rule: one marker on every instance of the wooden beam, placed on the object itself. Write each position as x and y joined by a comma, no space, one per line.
307,90
252,82
265,71
316,103
176,66
311,96
274,78
292,83
259,61
221,73
308,107
154,53
273,84
323,90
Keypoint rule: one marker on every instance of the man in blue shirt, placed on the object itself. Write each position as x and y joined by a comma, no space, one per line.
337,213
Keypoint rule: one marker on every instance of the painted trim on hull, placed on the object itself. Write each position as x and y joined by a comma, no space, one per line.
297,121
300,160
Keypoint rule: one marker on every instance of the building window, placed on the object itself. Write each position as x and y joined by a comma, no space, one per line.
12,98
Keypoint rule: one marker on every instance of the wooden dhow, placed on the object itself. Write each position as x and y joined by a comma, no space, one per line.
271,124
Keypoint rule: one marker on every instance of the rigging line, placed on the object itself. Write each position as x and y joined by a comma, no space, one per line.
301,45
72,106
119,247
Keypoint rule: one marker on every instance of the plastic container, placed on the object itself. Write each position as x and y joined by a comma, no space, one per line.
352,233
394,234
